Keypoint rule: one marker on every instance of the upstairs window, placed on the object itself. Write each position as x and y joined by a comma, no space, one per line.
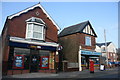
35,29
88,41
103,49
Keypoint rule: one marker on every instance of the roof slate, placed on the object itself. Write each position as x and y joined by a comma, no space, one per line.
101,44
78,28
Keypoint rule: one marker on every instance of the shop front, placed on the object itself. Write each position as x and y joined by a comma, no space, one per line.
86,56
26,57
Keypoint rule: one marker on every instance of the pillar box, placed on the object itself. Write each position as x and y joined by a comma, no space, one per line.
91,67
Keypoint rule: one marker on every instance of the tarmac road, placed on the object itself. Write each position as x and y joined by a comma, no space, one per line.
108,73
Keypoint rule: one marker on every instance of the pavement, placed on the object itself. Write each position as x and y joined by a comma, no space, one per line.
108,73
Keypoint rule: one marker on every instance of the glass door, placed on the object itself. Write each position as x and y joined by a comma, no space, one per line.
34,63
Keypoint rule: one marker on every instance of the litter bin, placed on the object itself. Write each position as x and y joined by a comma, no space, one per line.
102,67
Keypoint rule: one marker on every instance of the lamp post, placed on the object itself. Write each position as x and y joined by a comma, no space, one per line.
106,47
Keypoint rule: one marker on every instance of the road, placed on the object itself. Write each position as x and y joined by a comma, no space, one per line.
108,73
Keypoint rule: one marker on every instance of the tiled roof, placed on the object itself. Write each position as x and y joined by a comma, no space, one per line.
101,44
74,29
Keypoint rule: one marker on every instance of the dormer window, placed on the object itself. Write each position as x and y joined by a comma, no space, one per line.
35,29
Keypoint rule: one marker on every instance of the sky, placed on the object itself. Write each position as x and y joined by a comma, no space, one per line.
102,15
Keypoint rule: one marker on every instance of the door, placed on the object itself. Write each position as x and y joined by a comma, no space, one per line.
34,64
44,62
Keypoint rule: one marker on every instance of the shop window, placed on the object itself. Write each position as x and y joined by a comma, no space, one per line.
88,41
83,61
35,29
18,62
24,54
44,59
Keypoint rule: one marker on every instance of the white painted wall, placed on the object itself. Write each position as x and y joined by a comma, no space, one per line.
111,48
97,49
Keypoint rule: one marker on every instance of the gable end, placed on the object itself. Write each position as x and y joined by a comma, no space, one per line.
31,8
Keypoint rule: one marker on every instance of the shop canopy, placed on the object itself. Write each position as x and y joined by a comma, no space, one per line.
85,52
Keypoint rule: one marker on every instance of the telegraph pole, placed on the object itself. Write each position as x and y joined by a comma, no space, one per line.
106,47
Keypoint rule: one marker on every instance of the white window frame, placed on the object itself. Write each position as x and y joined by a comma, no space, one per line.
32,31
86,40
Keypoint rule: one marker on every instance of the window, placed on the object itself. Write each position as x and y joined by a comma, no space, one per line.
18,62
35,29
88,41
103,49
114,55
111,54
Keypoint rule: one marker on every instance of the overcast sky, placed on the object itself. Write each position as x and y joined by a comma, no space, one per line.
102,15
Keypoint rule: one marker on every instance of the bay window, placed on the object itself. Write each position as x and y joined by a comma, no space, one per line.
35,30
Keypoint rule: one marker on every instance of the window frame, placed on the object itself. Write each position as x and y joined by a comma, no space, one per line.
32,31
86,43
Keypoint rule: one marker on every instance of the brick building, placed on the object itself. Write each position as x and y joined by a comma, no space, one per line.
29,42
78,42
111,54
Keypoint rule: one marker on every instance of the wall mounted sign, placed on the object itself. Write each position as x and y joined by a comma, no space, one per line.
85,52
44,62
26,45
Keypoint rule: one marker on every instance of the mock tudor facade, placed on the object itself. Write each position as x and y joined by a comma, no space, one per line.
78,42
29,42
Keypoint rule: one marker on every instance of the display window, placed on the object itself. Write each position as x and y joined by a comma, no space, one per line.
18,62
83,61
44,62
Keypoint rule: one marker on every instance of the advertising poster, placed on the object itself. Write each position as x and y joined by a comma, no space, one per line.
45,62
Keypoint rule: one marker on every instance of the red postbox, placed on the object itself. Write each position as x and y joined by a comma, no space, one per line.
91,66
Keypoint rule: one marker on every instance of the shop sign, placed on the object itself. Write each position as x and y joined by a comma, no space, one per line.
25,45
90,52
32,46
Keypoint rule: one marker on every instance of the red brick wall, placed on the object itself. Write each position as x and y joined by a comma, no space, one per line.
18,25
81,38
111,57
71,45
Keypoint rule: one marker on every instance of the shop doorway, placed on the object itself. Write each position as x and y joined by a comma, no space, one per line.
34,63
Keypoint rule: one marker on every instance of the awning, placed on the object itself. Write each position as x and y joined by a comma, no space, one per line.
85,52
